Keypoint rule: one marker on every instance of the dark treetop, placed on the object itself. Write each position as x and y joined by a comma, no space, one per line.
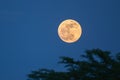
98,65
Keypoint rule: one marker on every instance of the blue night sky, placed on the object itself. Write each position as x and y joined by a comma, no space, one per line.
29,39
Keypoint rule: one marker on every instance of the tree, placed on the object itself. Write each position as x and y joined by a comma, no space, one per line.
98,65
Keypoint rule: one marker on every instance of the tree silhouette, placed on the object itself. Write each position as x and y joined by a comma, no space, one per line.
98,65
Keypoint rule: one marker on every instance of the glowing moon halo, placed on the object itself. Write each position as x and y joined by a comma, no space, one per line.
69,31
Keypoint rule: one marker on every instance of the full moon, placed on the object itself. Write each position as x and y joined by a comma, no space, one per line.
69,31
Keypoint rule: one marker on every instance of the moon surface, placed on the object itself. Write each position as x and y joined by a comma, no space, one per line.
69,31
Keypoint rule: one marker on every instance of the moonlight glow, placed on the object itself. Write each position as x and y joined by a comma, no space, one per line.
69,31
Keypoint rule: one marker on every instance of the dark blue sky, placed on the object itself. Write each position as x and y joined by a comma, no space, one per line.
28,32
